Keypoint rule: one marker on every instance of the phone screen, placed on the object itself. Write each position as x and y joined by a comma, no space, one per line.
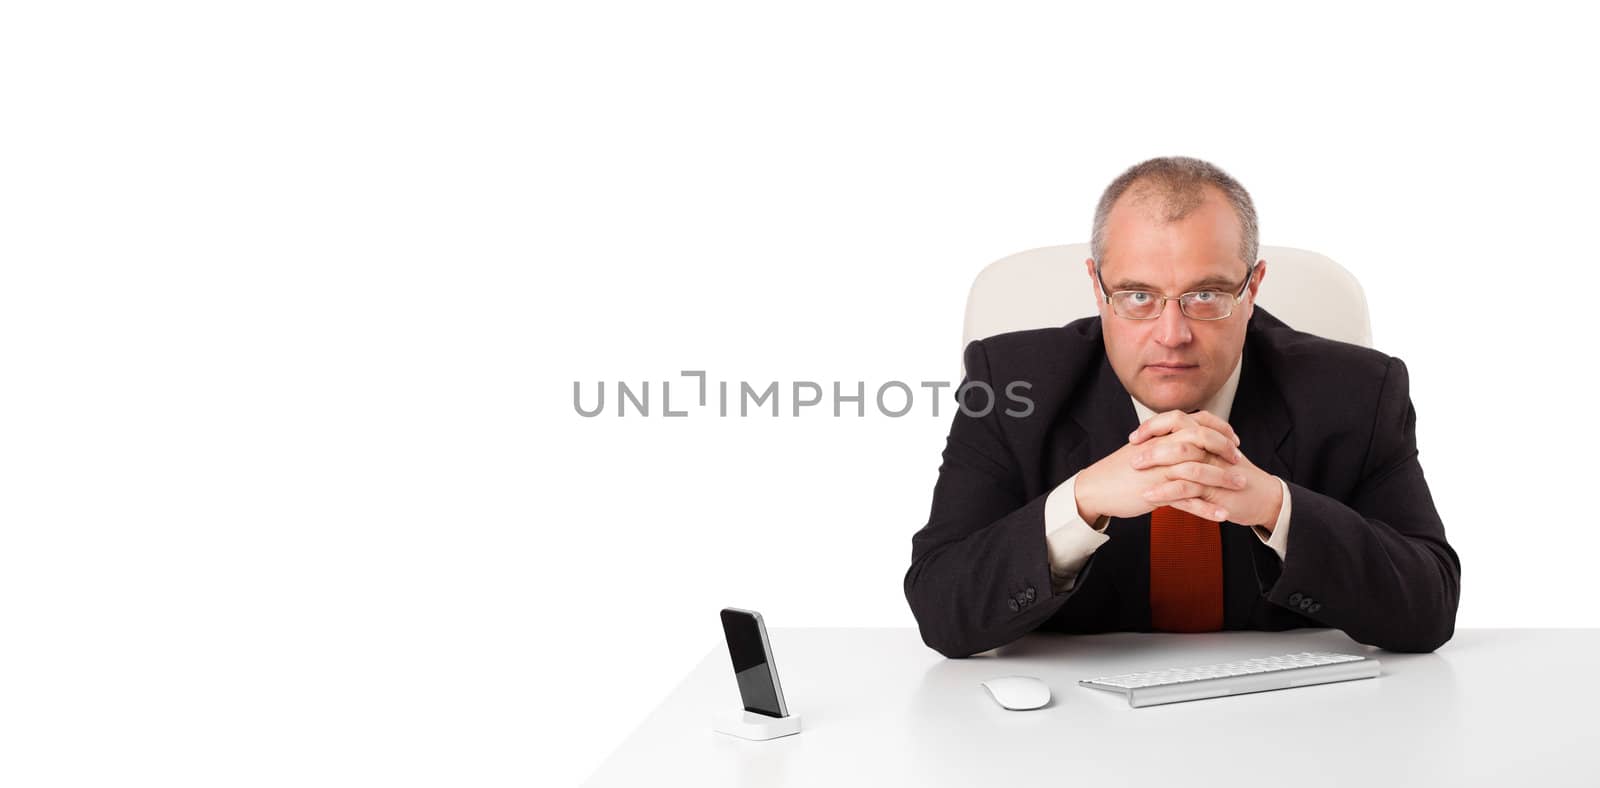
752,663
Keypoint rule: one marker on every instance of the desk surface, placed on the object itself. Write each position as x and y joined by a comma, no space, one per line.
1492,707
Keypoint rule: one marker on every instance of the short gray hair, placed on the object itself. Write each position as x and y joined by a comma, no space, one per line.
1176,183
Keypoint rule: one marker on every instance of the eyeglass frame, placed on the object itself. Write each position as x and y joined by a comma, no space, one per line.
1106,293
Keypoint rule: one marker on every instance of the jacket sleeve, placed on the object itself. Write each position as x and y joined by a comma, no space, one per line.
1377,567
980,573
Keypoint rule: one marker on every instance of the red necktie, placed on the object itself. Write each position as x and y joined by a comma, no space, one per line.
1185,572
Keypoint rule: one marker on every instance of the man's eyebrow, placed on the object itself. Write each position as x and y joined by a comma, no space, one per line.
1129,284
1215,281
1218,282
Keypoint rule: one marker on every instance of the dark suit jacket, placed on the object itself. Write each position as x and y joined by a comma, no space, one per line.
1366,553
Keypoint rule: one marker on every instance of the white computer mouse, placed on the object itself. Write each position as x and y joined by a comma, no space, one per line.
1018,693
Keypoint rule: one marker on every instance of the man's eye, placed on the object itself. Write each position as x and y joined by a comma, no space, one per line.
1206,296
1139,298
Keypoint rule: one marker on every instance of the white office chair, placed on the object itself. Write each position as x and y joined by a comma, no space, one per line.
1048,287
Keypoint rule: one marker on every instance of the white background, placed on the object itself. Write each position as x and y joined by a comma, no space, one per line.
294,298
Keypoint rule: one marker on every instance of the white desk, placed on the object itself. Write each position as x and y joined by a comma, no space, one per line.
1492,707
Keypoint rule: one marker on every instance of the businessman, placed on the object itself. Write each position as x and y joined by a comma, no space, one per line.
1190,464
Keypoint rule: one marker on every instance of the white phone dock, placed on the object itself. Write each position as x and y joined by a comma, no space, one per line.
757,727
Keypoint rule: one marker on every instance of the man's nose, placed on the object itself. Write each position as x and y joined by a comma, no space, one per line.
1172,327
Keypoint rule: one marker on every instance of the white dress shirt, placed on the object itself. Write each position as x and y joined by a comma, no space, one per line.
1070,540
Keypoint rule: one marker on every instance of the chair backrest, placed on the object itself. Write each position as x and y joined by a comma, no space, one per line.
1048,287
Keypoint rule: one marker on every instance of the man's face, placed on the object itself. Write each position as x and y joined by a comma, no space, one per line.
1173,362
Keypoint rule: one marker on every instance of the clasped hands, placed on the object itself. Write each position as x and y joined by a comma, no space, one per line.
1189,461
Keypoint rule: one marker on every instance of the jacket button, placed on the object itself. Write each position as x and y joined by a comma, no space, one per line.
1294,598
1315,606
1030,593
1014,606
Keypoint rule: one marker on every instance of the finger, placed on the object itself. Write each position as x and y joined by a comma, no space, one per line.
1206,418
1201,509
1178,490
1160,424
1167,450
1207,474
1216,443
1173,420
1190,445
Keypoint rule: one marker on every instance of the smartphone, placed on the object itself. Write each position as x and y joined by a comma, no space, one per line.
753,666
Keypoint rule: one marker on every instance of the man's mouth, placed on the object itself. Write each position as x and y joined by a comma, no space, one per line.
1171,366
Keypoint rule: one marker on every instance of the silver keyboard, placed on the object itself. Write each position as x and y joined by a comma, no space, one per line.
1155,687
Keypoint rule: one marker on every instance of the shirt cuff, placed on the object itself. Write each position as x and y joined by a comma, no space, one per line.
1278,539
1068,538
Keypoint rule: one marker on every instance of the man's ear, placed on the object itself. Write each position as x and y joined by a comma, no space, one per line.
1255,284
1094,281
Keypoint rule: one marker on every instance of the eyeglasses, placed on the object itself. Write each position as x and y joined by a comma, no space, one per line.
1196,305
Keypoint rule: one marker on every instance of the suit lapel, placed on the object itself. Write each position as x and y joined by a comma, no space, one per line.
1261,419
1105,413
1260,416
1099,414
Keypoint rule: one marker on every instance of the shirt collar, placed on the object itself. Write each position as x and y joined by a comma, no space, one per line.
1221,404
